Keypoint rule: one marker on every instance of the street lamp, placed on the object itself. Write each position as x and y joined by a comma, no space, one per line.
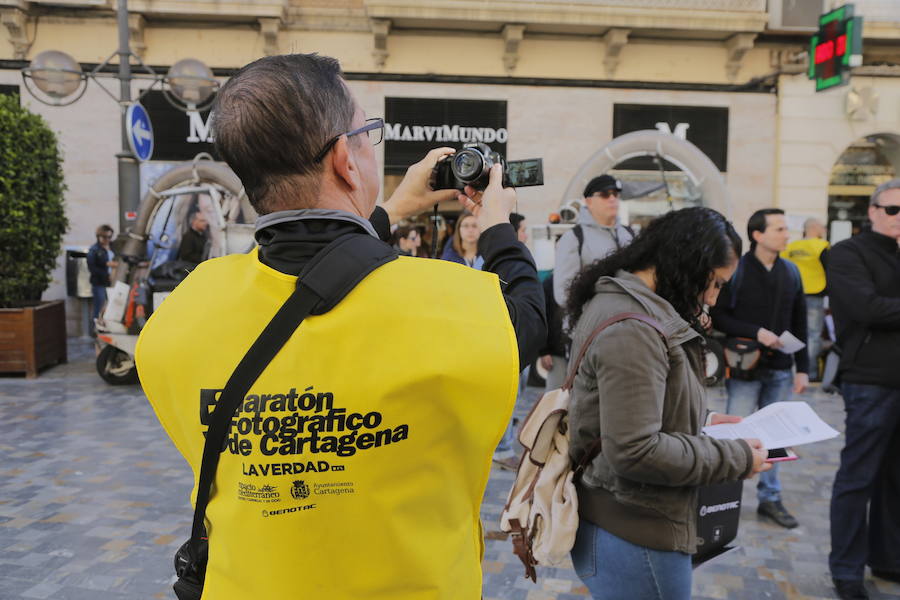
58,80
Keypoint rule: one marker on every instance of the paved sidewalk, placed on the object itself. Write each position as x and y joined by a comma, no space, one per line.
93,504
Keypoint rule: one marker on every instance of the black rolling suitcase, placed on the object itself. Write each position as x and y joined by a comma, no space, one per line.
718,515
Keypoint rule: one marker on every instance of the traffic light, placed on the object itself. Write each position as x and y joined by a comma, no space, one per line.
835,48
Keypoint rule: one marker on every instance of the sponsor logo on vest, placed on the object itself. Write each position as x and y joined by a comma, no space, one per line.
398,132
251,493
304,425
300,491
334,488
295,468
714,508
287,511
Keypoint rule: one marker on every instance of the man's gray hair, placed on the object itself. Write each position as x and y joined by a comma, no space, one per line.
893,184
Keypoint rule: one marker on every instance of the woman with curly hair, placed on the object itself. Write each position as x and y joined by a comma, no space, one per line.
638,406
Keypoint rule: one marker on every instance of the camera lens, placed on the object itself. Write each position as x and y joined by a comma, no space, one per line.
467,165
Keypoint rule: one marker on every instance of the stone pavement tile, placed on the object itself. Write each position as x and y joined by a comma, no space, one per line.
42,590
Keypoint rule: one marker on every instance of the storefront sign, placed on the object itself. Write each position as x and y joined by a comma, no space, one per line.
178,135
413,126
704,126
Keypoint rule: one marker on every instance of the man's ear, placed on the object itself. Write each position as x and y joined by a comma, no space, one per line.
344,164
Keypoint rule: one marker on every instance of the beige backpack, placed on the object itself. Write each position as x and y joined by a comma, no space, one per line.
541,512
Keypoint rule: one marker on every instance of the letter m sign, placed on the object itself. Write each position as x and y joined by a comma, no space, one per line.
680,129
200,131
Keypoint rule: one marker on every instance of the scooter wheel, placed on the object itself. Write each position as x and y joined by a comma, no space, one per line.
116,367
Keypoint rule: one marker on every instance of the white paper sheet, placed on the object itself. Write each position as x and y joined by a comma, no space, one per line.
777,425
789,343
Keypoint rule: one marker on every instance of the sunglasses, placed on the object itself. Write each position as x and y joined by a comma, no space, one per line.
891,211
608,193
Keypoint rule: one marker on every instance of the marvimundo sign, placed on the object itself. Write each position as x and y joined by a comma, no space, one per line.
398,132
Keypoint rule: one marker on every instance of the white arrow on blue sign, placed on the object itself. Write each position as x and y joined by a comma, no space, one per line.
140,131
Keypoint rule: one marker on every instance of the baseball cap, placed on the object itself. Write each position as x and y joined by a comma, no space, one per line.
601,184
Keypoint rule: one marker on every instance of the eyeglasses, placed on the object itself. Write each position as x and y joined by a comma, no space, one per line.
890,210
608,193
374,128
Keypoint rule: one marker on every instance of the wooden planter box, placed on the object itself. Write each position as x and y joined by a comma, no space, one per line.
32,338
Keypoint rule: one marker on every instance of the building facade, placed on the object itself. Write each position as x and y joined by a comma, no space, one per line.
543,78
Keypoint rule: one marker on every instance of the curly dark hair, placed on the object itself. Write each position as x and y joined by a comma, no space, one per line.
684,246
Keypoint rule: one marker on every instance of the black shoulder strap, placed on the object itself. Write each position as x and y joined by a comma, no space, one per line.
324,282
579,233
735,285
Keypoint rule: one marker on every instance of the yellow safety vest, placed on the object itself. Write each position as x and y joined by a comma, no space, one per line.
805,254
356,466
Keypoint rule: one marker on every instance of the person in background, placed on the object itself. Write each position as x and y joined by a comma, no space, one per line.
640,391
518,223
463,248
864,288
597,234
809,254
553,354
100,260
763,299
193,244
407,240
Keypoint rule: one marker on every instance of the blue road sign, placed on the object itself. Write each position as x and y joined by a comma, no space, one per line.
140,131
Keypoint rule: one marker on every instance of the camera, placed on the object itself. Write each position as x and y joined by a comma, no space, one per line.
472,166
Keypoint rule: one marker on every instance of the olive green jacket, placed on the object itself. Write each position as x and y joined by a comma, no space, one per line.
644,398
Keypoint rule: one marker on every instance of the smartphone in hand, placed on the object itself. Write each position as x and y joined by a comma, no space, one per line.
781,455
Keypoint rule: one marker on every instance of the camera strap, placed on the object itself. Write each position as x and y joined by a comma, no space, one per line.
323,283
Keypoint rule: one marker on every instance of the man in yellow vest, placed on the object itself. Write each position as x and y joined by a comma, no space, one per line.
809,255
351,470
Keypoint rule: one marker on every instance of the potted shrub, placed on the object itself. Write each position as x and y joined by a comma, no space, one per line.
32,223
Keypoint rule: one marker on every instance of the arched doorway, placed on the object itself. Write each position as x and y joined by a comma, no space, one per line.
688,176
861,167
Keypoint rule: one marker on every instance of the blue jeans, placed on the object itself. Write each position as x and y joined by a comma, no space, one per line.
815,321
745,397
508,447
98,293
868,478
613,569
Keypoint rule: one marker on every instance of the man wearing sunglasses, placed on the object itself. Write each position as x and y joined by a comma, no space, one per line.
597,234
353,469
864,287
100,260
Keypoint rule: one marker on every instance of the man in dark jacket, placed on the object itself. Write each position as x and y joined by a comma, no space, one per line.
99,260
763,299
193,244
864,284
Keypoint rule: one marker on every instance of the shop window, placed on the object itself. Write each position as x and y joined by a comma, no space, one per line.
863,166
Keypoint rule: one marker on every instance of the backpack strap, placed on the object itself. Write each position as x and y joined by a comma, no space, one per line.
594,449
579,235
734,285
573,370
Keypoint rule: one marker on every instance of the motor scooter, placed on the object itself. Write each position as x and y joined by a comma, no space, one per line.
147,269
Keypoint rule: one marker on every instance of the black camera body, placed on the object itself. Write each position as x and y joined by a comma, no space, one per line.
472,166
